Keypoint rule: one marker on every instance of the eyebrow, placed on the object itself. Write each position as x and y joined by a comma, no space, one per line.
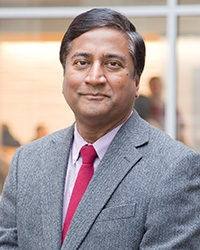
88,55
83,54
116,56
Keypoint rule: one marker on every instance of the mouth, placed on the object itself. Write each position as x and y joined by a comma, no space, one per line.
94,96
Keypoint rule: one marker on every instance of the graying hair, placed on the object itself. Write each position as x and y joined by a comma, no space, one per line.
103,17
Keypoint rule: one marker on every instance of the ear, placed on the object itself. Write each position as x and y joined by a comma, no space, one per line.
137,85
63,85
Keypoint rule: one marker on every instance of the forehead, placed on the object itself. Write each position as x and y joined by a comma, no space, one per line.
101,40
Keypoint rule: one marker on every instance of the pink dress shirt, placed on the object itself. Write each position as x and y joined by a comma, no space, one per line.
75,160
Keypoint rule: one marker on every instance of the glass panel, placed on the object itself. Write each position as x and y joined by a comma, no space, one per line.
31,3
36,27
151,103
30,84
189,1
188,78
31,77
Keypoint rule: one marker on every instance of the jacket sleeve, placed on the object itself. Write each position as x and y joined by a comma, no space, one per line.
8,210
173,219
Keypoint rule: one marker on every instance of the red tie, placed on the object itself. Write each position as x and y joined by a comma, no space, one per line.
85,174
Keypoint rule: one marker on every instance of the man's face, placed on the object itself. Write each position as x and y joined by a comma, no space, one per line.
99,83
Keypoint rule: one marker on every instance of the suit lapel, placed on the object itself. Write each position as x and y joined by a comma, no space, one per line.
53,172
119,159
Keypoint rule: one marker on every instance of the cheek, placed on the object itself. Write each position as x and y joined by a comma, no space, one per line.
73,79
124,84
127,91
67,89
65,86
69,81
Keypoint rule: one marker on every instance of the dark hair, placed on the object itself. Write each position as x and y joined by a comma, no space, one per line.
103,17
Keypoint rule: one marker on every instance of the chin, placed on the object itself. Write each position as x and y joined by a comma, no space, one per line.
95,115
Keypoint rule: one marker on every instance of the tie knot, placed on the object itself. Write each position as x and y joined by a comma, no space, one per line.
88,154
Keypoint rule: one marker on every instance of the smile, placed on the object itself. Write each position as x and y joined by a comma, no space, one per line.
94,96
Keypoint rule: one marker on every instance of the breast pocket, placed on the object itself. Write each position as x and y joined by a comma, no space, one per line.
119,212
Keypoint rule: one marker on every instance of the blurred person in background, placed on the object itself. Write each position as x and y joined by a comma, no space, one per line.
7,138
41,131
7,148
152,108
157,105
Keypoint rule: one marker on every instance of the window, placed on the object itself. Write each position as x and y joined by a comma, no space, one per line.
189,1
46,3
188,76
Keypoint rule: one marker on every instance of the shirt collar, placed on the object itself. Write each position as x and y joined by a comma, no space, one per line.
78,143
101,145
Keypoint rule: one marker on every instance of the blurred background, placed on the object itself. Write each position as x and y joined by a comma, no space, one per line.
31,101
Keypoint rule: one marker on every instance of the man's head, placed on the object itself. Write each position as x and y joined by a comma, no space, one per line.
96,18
103,57
155,86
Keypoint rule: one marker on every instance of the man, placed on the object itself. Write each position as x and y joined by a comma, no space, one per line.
145,190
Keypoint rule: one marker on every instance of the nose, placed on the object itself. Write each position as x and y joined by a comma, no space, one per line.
96,74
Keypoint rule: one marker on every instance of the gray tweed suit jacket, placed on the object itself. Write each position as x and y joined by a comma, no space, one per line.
144,195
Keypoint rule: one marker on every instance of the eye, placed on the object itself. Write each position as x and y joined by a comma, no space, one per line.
80,63
113,64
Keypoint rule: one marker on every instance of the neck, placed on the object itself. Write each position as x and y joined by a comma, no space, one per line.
91,131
